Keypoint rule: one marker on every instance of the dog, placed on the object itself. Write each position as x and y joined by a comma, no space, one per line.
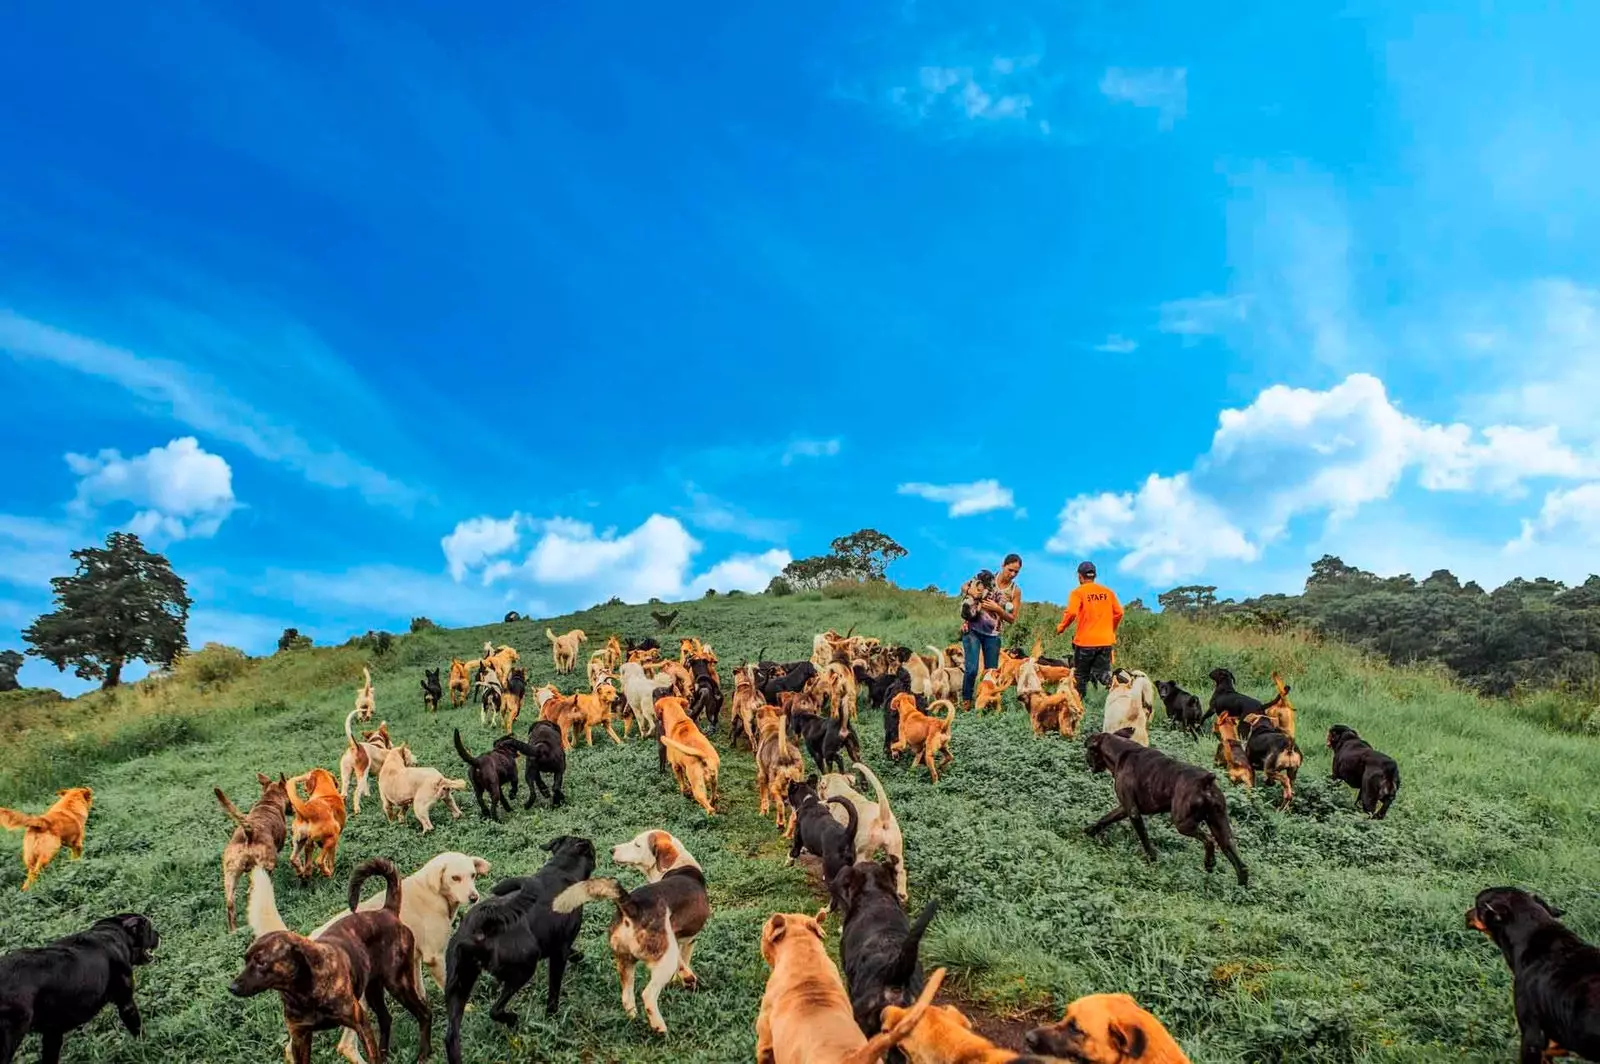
1148,782
877,828
945,1036
640,692
598,670
460,683
1106,1029
656,923
318,823
926,736
564,648
805,1014
827,739
1183,708
745,707
403,784
705,692
878,946
614,655
503,659
258,837
1129,702
494,773
365,702
791,678
490,691
1375,776
838,684
545,753
335,980
590,710
432,690
360,757
991,692
509,933
44,835
1061,712
1555,975
1226,699
818,832
56,989
778,766
1231,753
694,761
1280,710
512,697
1273,754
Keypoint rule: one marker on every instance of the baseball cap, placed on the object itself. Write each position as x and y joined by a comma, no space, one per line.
1086,568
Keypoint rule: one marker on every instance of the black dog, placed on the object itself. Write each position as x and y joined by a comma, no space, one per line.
817,832
1225,699
1183,708
825,737
877,687
510,932
1148,782
1375,776
878,948
494,770
706,697
1274,754
545,754
1555,975
58,988
517,684
792,677
431,691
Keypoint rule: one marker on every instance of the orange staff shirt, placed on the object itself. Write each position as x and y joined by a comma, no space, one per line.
1097,612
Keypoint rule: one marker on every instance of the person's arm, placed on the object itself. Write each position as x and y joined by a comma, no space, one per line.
1116,612
1012,605
1070,614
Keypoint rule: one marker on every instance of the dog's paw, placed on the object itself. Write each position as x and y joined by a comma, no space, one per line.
690,981
507,1018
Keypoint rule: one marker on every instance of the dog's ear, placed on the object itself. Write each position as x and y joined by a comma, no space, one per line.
263,779
1128,1039
665,852
1124,733
777,927
480,866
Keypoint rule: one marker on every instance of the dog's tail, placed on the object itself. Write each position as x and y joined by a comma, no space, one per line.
548,634
877,788
232,811
378,866
880,1044
366,676
348,717
295,803
525,749
448,784
261,910
461,748
16,821
949,712
938,654
851,821
673,744
578,895
906,962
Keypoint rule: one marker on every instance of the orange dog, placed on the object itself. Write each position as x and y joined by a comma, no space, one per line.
990,688
591,711
925,735
318,823
1231,752
1062,711
945,1036
693,759
805,1014
1107,1029
45,834
460,683
1280,710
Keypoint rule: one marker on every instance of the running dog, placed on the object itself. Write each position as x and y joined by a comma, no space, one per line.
432,690
926,736
257,838
44,835
877,829
564,648
318,823
403,784
1375,776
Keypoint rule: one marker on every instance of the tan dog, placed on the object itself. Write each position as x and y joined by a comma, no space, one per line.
557,706
564,648
599,669
360,757
925,735
1129,703
805,1013
1107,1029
1010,665
592,711
945,1036
778,764
257,838
877,828
460,683
1280,710
365,702
744,707
639,690
991,688
614,653
504,659
921,679
318,823
44,835
693,759
1061,712
403,784
682,679
1231,752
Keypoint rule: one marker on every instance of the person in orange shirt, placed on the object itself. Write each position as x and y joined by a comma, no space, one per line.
1097,613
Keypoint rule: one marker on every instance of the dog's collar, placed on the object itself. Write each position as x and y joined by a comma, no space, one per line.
688,871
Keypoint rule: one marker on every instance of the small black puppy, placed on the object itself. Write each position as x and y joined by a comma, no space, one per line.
1375,776
790,677
817,832
878,947
431,690
705,699
510,932
1183,708
494,770
825,738
1225,699
545,754
58,988
1555,975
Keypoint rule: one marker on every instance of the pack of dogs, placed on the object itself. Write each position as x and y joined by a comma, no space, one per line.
877,1003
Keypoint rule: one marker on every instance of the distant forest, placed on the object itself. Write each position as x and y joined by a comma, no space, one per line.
1524,635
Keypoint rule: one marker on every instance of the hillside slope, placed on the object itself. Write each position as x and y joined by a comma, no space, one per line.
1349,944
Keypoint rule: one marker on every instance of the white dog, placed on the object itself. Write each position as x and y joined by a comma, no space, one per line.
640,691
876,827
403,783
1129,703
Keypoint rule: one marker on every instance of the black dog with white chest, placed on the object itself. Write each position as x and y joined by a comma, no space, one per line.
816,831
58,988
1375,776
1555,975
507,934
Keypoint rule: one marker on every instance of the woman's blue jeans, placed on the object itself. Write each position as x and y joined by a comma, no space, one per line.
971,644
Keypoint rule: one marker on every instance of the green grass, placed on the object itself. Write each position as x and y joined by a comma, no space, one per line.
1348,946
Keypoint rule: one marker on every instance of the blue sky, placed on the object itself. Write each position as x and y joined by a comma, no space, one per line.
362,312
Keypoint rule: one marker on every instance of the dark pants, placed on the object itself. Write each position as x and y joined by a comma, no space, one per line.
1091,663
971,644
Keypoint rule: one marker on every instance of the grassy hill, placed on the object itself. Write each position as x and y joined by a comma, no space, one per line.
1349,944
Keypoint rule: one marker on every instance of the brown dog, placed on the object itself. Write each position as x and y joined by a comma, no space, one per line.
1061,712
1231,753
745,707
925,735
778,764
591,711
335,979
1280,710
318,822
693,759
945,1036
460,683
45,834
805,1013
258,837
990,689
1107,1029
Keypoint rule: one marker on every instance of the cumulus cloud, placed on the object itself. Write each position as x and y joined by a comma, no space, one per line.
810,449
964,500
1163,89
1568,517
179,491
1295,452
475,541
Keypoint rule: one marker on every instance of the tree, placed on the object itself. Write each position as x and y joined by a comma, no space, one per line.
123,604
291,639
868,550
1191,598
809,574
421,624
10,662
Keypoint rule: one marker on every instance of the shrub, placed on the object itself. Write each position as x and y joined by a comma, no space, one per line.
291,639
379,643
212,666
932,589
779,587
512,617
616,600
422,624
711,592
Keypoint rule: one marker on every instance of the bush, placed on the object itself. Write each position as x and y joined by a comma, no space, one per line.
291,639
212,666
932,589
422,624
616,600
711,592
512,617
779,587
378,643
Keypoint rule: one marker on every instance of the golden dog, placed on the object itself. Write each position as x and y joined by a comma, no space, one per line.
564,648
1107,1029
1280,710
365,703
745,707
318,823
592,711
1061,712
1230,751
693,759
460,683
991,686
945,1036
44,835
925,735
778,764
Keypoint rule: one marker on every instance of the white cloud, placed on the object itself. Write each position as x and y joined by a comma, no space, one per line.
1117,344
478,539
1204,315
1295,452
1568,518
180,491
997,90
810,449
1551,362
978,497
33,550
742,572
1163,89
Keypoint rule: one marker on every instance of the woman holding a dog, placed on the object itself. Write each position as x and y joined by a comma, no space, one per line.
988,604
